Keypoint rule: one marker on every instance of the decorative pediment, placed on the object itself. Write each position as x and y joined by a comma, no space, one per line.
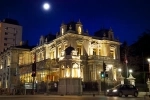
112,46
94,44
79,42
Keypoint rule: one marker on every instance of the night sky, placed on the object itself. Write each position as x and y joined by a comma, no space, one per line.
127,18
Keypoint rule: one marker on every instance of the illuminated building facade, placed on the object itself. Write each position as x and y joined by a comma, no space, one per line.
73,54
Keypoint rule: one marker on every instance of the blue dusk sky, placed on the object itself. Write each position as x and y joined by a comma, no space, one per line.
127,18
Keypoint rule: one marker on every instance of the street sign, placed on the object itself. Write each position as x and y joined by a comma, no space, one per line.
29,86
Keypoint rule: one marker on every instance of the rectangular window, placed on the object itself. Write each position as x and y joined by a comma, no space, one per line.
99,52
111,54
6,33
5,38
79,50
5,44
94,51
59,52
52,55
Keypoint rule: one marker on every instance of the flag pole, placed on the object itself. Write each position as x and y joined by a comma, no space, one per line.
126,61
127,69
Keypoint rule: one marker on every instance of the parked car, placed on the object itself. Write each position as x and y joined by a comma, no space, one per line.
123,89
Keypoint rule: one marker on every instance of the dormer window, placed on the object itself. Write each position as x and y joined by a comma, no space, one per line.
79,30
62,31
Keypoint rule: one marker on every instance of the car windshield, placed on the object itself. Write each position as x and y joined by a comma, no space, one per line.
117,86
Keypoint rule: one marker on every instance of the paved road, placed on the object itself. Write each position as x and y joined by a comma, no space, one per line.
54,97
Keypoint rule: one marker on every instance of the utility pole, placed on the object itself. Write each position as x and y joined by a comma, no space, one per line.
34,73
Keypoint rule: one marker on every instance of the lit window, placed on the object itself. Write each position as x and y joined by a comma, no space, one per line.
59,52
79,50
79,29
62,31
20,59
1,67
52,54
111,54
94,51
99,52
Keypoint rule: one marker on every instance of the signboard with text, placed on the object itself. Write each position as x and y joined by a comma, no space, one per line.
29,86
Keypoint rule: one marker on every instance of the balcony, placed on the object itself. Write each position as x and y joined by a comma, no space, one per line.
102,58
97,57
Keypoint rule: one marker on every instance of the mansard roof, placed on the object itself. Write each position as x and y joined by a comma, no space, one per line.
101,33
50,37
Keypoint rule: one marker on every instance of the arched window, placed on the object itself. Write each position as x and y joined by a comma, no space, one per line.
79,30
62,31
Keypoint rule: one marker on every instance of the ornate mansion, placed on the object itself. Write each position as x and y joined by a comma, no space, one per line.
72,55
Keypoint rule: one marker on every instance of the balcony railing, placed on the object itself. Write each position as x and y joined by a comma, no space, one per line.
97,57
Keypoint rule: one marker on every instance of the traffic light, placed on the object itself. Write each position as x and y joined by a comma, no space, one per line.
102,74
33,74
33,69
104,67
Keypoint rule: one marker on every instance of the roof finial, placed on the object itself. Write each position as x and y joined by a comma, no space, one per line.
110,29
87,31
62,23
79,21
70,27
46,40
104,34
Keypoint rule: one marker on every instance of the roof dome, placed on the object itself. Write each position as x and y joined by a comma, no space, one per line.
69,50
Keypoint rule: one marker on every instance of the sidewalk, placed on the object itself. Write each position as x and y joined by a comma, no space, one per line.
141,94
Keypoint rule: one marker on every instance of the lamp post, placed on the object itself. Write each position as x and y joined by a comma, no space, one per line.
149,64
121,78
131,79
130,71
119,70
148,81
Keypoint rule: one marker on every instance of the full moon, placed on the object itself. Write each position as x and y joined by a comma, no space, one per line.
46,6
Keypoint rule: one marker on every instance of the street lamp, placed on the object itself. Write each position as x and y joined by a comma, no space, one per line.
130,71
120,70
149,63
121,78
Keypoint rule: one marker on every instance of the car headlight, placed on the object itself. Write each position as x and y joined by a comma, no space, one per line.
115,90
